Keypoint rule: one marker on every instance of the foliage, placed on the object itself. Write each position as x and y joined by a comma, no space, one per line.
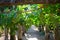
37,14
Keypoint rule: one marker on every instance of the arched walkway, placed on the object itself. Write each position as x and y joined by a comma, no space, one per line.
33,34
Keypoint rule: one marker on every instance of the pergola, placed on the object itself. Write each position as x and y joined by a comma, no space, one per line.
18,2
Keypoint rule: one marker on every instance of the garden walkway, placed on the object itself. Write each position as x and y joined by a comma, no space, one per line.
33,34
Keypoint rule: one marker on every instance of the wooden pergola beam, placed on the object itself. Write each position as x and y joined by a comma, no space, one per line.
18,2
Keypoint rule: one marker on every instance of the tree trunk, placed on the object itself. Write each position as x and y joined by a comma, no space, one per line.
43,28
12,35
19,32
46,32
57,34
6,33
24,30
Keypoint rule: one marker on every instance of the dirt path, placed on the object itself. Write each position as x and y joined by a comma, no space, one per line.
33,34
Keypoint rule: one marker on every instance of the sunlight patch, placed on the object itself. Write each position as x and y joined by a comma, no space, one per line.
32,39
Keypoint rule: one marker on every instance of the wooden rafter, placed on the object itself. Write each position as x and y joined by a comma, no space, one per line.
18,2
